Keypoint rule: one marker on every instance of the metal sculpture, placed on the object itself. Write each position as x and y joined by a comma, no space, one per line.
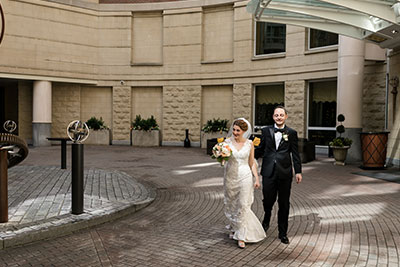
3,24
17,149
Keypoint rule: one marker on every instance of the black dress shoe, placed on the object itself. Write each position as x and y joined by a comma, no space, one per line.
284,239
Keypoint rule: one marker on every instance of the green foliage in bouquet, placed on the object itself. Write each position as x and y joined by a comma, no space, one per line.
216,125
96,124
144,124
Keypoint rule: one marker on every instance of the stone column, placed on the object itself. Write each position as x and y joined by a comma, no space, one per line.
121,115
242,99
296,105
350,90
41,113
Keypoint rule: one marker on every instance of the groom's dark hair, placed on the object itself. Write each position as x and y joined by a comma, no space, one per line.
282,107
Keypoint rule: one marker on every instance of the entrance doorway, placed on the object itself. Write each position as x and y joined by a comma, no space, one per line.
8,102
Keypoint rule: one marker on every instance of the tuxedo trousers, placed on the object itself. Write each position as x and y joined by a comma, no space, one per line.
277,187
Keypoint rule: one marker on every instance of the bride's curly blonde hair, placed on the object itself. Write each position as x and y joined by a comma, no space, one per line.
242,124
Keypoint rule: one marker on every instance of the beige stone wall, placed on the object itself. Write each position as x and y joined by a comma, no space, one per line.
147,46
216,102
296,104
25,110
121,113
374,94
66,102
96,102
182,105
217,33
147,38
49,39
242,101
146,102
182,42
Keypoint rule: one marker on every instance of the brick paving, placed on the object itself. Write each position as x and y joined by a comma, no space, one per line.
337,218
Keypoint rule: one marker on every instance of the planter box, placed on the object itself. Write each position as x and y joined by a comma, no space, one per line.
146,138
340,154
205,136
99,137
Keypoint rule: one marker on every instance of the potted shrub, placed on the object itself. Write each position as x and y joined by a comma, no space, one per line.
99,133
145,132
214,128
340,144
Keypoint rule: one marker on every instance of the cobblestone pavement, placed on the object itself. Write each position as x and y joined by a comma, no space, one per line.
337,218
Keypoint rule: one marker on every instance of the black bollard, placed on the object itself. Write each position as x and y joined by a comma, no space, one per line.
186,143
77,178
3,186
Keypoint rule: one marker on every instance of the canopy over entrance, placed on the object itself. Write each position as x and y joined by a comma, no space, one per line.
373,20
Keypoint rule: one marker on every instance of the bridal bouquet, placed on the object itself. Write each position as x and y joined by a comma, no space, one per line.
221,152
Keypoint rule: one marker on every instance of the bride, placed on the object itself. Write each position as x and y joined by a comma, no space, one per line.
239,186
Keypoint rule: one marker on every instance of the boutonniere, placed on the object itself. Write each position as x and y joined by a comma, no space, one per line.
285,136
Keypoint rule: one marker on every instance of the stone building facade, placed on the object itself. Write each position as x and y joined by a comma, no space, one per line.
170,59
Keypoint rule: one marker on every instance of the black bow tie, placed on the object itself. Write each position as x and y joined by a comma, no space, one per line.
279,130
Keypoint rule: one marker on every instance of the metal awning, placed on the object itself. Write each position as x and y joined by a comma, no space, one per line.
373,20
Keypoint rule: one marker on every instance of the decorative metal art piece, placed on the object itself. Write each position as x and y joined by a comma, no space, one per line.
78,131
10,126
3,24
17,149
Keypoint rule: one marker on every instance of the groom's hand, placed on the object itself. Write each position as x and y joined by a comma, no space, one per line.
299,178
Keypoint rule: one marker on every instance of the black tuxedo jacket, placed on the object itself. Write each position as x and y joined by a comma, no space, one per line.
280,158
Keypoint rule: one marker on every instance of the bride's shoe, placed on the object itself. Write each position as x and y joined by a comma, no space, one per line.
241,244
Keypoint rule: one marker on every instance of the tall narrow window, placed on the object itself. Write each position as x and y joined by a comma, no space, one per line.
267,97
318,38
270,38
322,112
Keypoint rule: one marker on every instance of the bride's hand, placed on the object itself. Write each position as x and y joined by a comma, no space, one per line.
257,185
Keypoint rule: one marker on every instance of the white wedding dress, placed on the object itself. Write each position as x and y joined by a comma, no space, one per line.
239,196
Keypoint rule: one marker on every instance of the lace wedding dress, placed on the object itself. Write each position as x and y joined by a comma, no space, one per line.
239,196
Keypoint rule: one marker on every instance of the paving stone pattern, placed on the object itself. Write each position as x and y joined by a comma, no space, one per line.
337,218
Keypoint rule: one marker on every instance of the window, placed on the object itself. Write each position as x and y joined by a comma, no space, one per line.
270,38
322,112
319,38
267,97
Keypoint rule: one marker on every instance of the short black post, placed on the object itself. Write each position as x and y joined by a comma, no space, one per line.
186,143
77,178
63,154
3,186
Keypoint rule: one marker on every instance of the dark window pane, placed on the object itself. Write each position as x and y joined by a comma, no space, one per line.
322,38
270,38
267,98
321,137
322,104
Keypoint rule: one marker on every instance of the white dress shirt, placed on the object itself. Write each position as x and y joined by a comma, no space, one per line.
278,136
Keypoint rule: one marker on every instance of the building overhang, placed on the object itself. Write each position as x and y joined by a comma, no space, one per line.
377,21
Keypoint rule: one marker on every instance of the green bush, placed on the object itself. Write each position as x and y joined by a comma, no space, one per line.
341,141
216,125
144,125
96,124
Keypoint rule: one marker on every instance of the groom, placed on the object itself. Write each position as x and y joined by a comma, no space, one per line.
279,148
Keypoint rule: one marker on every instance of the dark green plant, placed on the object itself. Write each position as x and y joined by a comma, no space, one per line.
340,141
96,124
144,124
216,125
